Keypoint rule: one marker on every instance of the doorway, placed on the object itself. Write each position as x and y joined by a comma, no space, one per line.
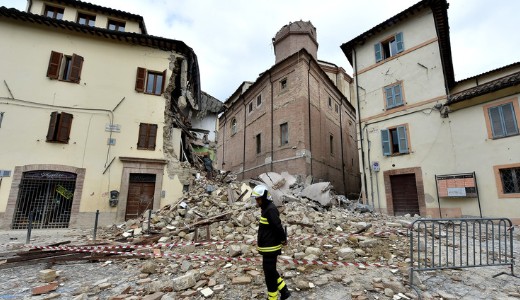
141,190
404,194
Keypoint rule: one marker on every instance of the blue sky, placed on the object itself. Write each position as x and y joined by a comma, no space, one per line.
232,38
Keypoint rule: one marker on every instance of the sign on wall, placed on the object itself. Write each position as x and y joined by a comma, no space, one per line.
457,185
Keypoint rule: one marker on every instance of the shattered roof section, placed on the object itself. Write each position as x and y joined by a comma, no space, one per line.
210,104
489,87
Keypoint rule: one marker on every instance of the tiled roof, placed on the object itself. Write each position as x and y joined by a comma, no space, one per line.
129,37
440,15
488,87
105,10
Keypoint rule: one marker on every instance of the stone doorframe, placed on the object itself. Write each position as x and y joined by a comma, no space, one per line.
418,183
134,165
15,187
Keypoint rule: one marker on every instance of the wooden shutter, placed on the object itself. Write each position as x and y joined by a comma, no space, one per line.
399,42
398,99
152,135
379,53
163,86
143,135
75,70
403,139
64,126
389,95
385,140
508,113
496,122
52,126
140,80
53,71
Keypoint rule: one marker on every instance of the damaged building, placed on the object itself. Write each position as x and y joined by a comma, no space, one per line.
99,119
296,117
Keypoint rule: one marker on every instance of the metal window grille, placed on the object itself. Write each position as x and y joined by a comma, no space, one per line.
47,196
510,180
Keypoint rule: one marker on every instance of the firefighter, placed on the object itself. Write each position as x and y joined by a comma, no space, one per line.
271,237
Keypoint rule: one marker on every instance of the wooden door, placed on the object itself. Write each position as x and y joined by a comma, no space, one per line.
140,198
404,194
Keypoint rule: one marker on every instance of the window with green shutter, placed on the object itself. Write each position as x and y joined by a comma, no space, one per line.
503,120
394,141
389,47
393,96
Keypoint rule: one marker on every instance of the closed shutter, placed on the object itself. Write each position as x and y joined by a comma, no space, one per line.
496,122
53,71
399,42
508,112
403,139
398,99
163,81
379,54
140,80
75,70
385,140
52,126
64,128
389,92
143,135
152,135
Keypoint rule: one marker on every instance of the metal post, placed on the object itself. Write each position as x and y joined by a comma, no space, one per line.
95,224
29,228
149,217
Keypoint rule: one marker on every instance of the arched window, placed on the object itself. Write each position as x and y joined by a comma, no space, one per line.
233,126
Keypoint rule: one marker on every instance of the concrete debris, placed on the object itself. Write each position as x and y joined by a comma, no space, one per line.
208,251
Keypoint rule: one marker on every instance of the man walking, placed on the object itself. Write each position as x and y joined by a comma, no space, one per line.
271,237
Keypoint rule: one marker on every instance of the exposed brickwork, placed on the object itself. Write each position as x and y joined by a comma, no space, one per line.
289,91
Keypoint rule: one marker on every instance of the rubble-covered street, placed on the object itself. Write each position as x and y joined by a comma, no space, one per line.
337,250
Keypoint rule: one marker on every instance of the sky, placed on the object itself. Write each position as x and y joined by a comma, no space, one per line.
233,38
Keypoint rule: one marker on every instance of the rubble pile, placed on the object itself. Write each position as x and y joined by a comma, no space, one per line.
321,226
203,246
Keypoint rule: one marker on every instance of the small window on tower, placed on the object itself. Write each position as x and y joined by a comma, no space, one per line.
283,83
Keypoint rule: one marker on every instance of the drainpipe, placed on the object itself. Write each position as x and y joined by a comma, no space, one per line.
359,123
309,107
224,142
272,122
244,147
370,169
341,141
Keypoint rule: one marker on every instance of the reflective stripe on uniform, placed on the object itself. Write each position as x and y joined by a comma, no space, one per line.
272,295
281,283
263,221
269,249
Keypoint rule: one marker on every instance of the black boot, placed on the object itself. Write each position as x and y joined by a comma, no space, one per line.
284,293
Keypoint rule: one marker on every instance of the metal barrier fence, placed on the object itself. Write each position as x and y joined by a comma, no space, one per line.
461,243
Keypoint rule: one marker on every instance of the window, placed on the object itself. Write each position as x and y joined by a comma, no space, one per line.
283,83
59,128
393,96
234,126
394,140
258,144
85,19
330,102
336,107
150,82
116,25
1,118
250,107
258,100
503,119
510,180
284,134
54,12
147,136
331,144
389,47
65,67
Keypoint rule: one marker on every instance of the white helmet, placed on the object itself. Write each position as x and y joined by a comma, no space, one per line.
259,191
